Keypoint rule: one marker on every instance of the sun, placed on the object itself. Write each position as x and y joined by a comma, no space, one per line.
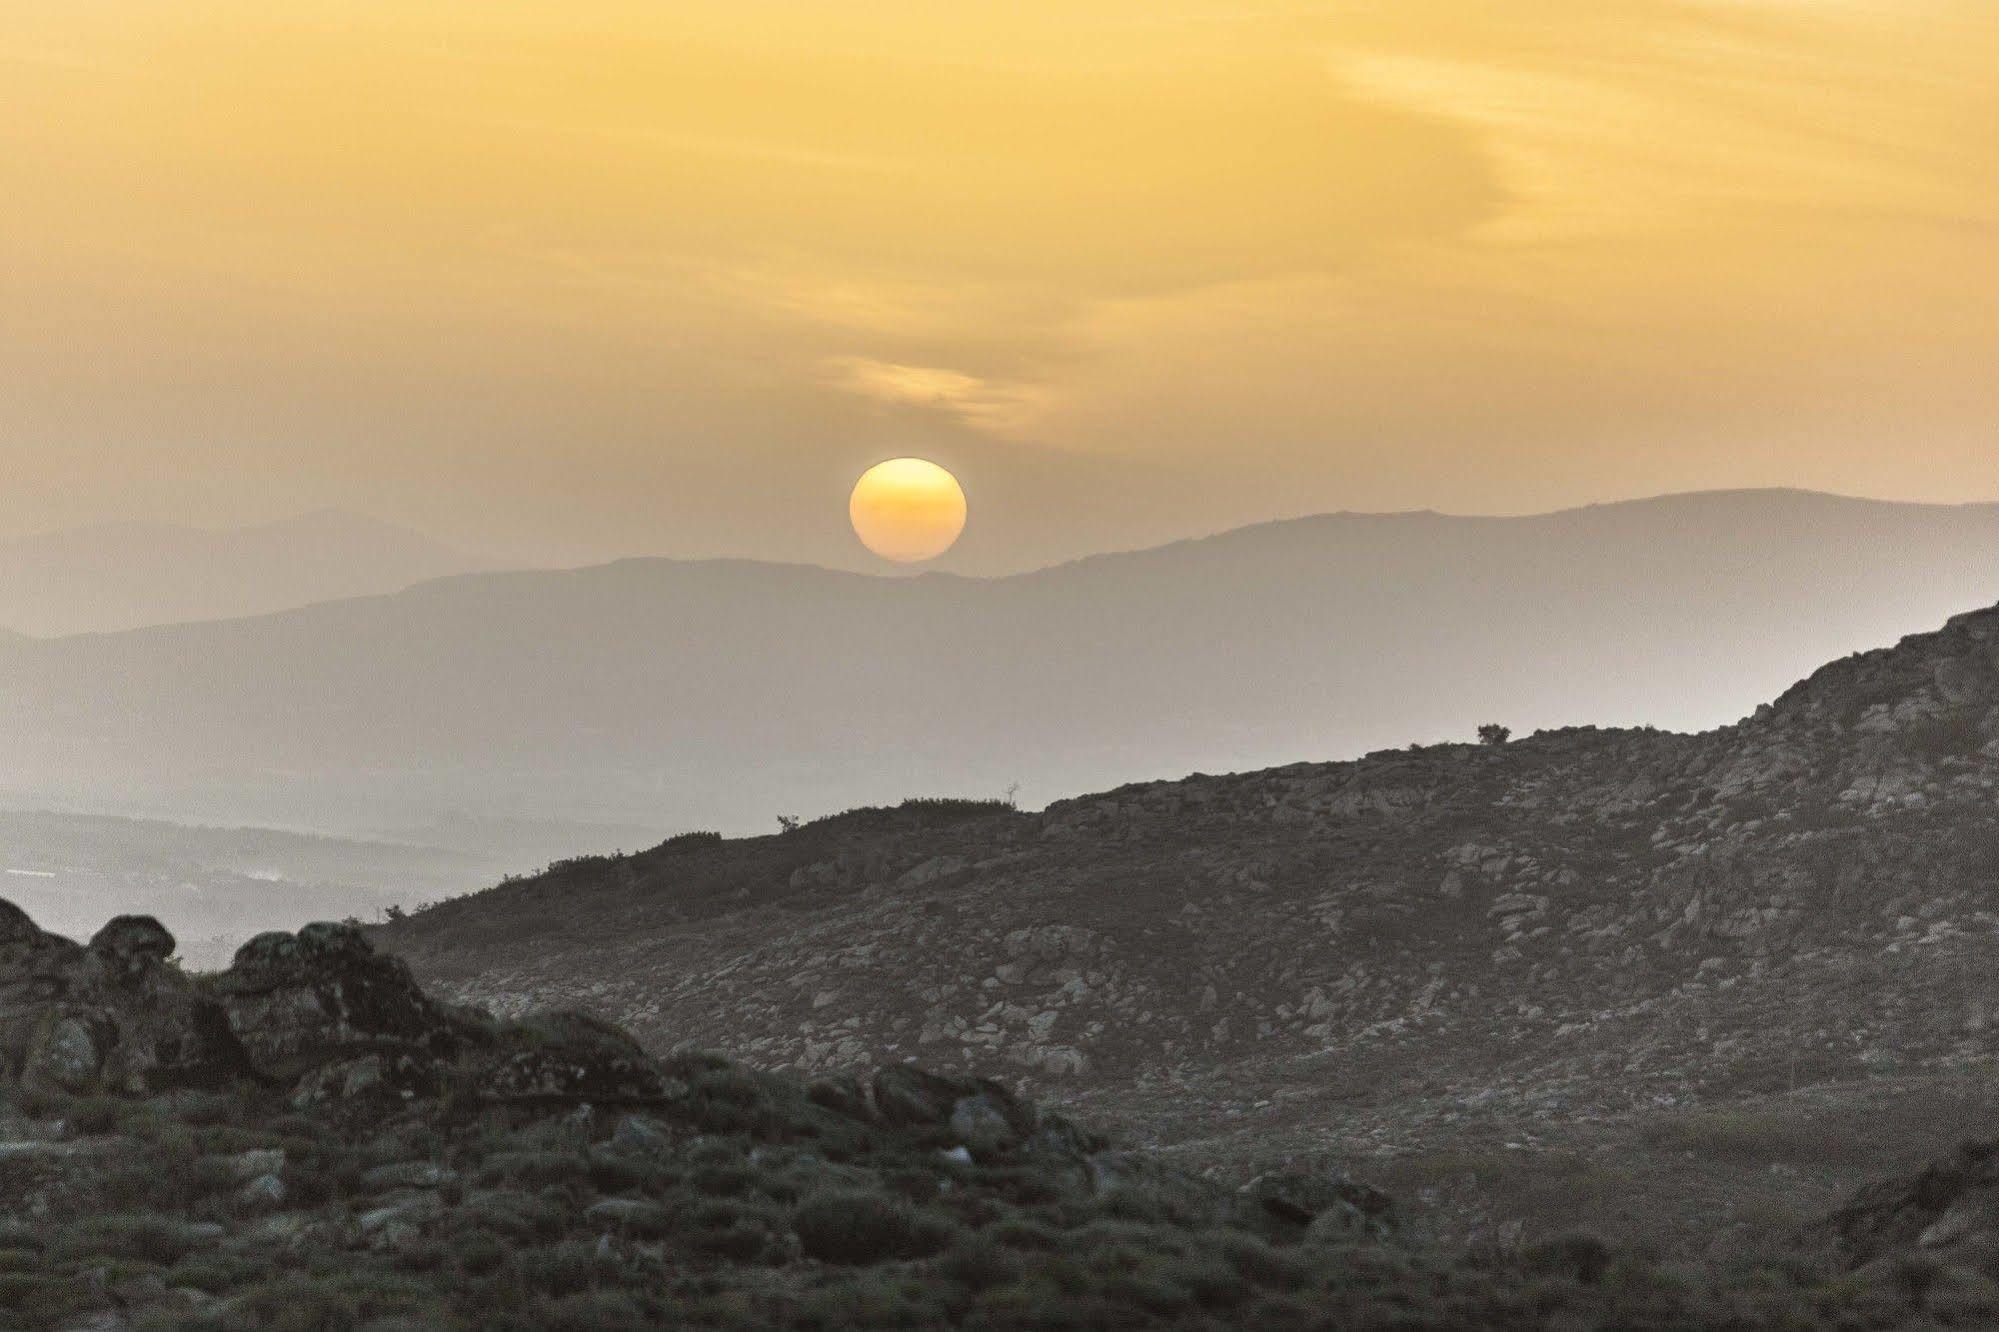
907,510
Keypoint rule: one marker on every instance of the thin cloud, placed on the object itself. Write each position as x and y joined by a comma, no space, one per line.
980,403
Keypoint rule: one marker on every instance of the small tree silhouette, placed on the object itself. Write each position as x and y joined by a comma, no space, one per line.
1492,733
787,823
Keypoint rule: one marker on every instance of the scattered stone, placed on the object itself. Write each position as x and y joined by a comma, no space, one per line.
406,1175
263,1191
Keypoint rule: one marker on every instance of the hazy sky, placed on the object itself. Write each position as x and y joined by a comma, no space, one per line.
571,279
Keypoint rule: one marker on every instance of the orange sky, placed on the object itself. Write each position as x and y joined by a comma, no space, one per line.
581,279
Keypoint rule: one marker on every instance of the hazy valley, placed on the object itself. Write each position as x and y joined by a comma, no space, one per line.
215,887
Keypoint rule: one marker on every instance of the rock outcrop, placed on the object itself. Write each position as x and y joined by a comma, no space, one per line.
112,1016
307,1138
319,1013
1949,1212
981,1112
299,1001
566,1056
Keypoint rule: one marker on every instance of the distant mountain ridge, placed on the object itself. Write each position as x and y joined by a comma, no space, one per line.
721,693
127,575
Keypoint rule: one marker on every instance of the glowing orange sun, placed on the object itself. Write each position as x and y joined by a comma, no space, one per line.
907,510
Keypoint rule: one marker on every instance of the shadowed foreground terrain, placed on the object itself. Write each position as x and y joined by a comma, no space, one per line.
307,1141
1685,990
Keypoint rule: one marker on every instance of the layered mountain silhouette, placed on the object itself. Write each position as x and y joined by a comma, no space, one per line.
120,576
1757,943
719,694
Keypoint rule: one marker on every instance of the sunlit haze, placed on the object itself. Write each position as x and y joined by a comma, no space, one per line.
570,281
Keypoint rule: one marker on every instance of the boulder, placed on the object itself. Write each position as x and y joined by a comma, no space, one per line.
18,932
980,1112
641,1136
1298,1200
116,1016
630,1214
299,1001
567,1056
842,1093
133,942
371,1080
406,1175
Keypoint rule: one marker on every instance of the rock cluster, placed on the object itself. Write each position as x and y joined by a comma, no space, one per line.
113,1015
319,1012
308,1139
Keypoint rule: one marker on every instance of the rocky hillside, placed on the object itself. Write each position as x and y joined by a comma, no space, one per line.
308,1141
1489,945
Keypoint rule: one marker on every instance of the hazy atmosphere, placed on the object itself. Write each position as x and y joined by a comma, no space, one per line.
565,282
1186,664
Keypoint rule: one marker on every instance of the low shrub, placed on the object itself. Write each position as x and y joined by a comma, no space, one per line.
977,1264
145,1236
857,1228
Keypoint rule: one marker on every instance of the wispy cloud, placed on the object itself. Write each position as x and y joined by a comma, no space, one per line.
980,403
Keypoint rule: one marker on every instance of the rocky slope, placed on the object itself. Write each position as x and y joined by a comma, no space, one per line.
308,1141
1448,945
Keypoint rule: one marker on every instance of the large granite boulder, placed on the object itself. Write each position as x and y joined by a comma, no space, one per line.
324,995
114,1016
